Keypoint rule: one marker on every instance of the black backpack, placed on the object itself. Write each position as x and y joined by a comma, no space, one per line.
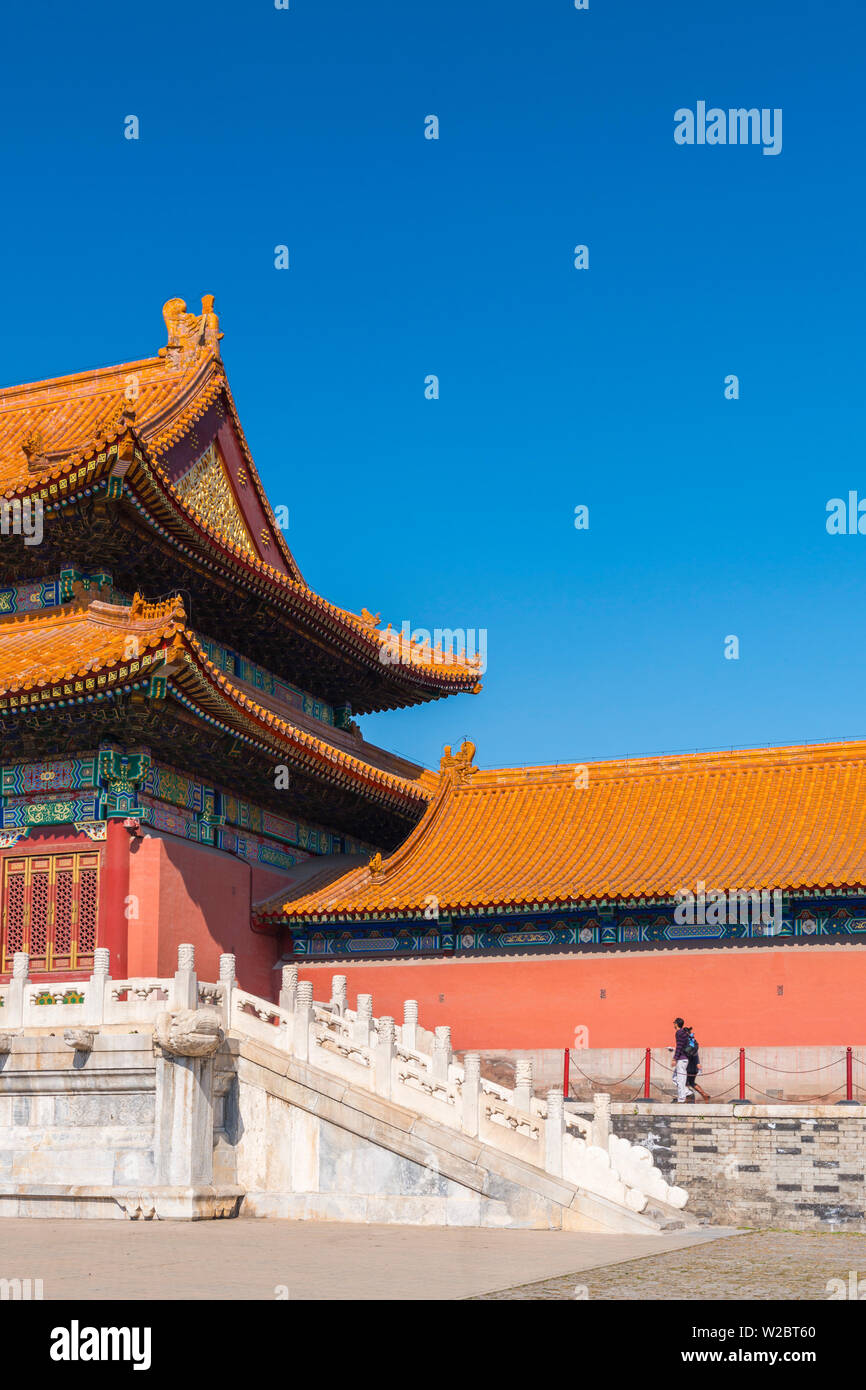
692,1046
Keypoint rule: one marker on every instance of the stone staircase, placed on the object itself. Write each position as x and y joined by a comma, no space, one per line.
299,1109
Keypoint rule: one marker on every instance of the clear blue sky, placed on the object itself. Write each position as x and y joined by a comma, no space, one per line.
707,517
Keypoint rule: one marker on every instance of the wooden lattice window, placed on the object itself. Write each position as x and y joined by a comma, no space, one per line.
49,909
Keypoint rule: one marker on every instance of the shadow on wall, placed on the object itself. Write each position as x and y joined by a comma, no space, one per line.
187,892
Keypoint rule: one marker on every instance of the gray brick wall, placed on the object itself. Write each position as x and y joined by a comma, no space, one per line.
795,1167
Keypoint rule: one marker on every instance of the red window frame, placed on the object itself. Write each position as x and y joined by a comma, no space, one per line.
50,909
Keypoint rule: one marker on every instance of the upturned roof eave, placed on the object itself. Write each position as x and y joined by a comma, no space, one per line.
196,682
417,683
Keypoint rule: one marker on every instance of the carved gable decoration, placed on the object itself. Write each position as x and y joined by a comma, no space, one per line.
205,488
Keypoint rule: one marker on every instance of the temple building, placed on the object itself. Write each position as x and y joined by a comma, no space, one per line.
181,763
589,905
176,704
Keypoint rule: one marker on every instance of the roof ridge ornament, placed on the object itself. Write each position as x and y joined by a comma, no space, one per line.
459,767
377,868
169,608
190,335
114,424
33,448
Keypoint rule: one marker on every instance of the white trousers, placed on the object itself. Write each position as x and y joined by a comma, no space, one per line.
680,1079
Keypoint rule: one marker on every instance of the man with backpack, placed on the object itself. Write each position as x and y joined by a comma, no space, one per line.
693,1065
681,1058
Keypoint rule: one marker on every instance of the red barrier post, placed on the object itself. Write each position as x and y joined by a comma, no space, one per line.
741,1099
565,1065
849,1074
849,1079
646,1098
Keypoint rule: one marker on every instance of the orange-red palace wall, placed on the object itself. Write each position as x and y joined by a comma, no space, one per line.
731,996
158,891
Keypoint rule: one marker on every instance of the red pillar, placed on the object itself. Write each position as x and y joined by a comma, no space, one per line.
113,924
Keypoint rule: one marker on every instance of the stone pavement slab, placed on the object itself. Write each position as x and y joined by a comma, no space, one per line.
81,1259
755,1266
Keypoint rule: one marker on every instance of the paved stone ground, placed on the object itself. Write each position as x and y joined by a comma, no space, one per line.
310,1260
756,1265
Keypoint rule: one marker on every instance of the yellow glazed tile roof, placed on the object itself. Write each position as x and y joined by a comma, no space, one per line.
84,649
68,410
787,818
49,429
38,650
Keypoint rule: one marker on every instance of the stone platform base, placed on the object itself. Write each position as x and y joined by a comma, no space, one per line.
148,1204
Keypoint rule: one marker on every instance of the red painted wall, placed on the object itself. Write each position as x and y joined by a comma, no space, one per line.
192,893
730,996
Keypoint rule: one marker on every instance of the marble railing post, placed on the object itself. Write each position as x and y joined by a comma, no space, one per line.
338,995
16,990
184,1079
185,990
553,1131
303,1018
289,988
363,1025
601,1120
384,1056
184,1137
441,1059
94,995
471,1093
409,1035
184,1121
523,1085
228,980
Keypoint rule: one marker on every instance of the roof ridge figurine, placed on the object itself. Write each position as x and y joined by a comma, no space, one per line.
190,335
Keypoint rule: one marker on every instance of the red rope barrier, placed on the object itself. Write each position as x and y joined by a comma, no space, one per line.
594,1082
793,1071
741,1085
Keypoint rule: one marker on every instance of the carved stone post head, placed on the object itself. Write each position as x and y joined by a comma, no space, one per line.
227,965
555,1102
472,1066
101,960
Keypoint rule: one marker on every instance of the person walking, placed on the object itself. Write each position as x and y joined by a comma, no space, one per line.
681,1059
693,1065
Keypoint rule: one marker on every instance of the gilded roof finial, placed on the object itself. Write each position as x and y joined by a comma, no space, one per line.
458,766
189,335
